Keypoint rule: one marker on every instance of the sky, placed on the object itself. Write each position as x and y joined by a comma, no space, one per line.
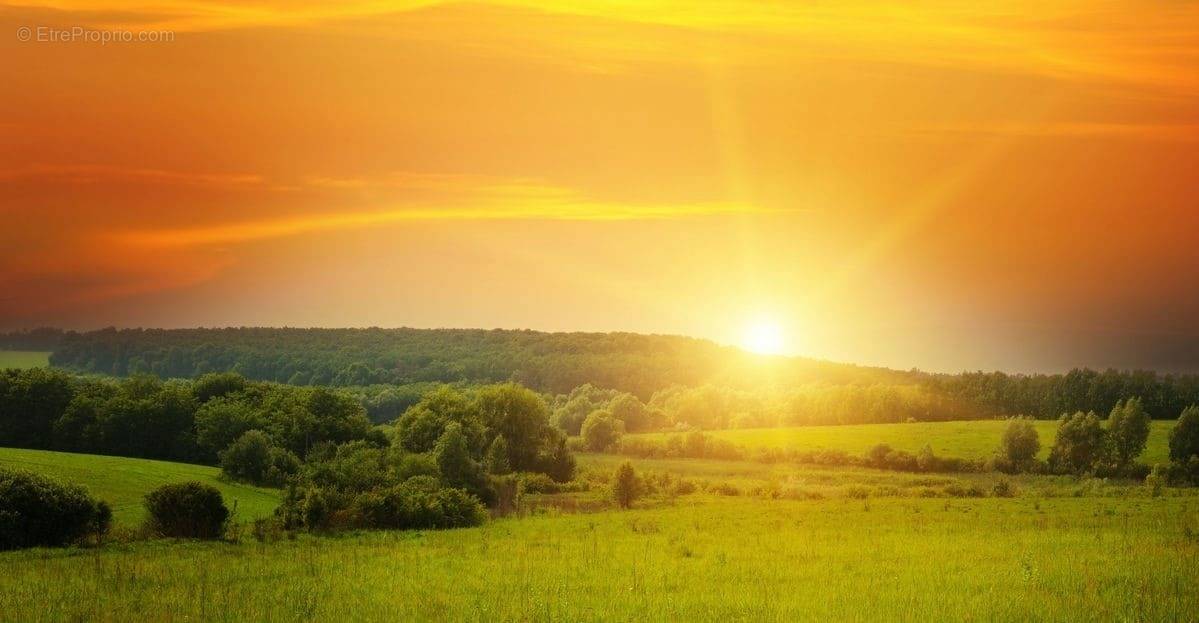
942,185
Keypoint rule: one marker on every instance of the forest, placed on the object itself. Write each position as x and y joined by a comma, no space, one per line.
743,389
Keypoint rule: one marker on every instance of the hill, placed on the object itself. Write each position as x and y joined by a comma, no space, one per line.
122,482
548,362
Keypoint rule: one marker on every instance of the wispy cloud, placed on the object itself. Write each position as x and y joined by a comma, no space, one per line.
95,173
1163,132
1096,40
462,198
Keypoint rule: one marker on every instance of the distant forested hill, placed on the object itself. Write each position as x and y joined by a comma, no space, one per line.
548,362
556,363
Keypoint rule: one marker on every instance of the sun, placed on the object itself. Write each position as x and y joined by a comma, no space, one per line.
763,337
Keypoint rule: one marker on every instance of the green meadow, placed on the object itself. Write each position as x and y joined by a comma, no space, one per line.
23,359
701,558
743,541
968,439
122,482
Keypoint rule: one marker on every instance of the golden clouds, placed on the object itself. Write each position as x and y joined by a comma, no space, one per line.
445,198
1150,45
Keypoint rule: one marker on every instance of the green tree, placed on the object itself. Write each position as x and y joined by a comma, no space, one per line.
251,458
521,416
457,467
1127,430
626,487
631,412
1080,445
419,428
1020,441
221,421
1184,437
497,457
601,430
217,385
556,460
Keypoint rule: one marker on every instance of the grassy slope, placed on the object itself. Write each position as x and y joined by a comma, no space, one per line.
703,559
23,359
977,439
123,481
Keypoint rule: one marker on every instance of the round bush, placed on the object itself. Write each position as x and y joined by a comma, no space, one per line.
39,511
190,510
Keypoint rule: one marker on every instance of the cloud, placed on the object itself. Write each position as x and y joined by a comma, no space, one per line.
1165,132
94,173
458,198
1131,43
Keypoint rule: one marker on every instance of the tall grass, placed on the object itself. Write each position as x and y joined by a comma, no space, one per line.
706,559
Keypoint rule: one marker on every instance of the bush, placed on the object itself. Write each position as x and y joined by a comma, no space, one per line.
1003,489
418,503
189,510
625,486
252,458
1156,480
533,482
38,511
601,430
1020,443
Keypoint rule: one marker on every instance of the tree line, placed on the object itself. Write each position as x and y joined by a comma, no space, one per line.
547,362
316,442
393,367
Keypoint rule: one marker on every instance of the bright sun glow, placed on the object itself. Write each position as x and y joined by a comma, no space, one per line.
764,338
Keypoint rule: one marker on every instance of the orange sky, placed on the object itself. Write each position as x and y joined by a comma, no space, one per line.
936,185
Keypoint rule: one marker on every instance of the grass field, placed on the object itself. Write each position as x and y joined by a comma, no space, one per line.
754,542
703,559
23,359
973,439
122,481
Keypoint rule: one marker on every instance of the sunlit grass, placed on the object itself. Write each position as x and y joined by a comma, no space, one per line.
702,559
23,359
122,482
971,440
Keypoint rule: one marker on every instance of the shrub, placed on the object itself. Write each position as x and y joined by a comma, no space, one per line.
533,482
1003,489
601,430
418,503
957,490
252,458
1156,480
38,511
556,461
625,486
1184,437
876,456
190,510
857,492
1020,443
